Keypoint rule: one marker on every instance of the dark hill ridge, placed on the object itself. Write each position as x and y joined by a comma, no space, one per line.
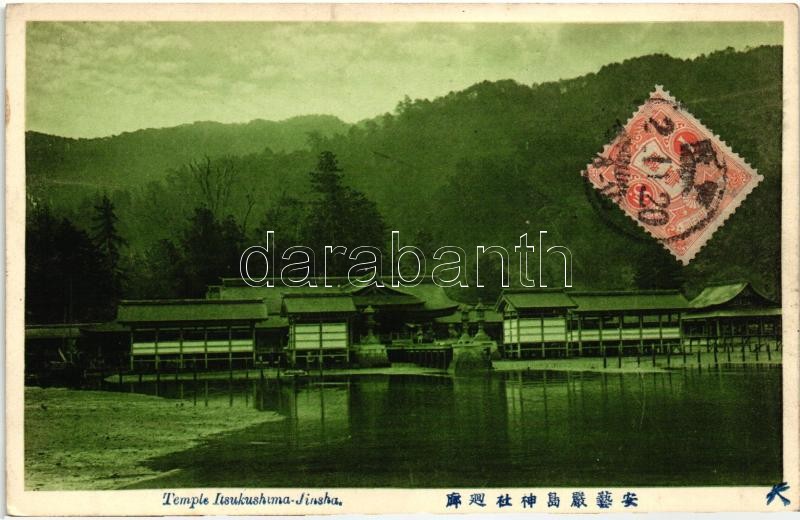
132,158
484,165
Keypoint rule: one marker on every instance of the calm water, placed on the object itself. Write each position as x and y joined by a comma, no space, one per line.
505,429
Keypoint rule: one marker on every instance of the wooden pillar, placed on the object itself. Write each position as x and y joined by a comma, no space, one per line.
669,346
230,348
541,333
580,335
180,346
746,337
349,342
253,335
566,336
319,361
155,345
680,336
131,351
660,342
747,328
519,340
619,349
641,333
729,345
293,341
205,345
600,336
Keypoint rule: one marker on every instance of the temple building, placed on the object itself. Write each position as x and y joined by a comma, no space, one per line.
346,325
329,324
535,322
209,333
625,322
542,323
728,316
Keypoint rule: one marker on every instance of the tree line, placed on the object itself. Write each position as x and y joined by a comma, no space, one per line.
75,274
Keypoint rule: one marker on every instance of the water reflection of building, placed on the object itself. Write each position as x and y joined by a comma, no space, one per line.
316,412
311,326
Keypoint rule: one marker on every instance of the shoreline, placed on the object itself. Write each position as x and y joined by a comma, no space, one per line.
118,426
60,423
632,364
613,364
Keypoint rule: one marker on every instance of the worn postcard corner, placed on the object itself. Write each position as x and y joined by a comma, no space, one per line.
350,259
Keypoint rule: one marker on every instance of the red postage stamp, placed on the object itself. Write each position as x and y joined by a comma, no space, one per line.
672,175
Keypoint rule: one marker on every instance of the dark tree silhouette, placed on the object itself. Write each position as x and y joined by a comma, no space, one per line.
63,272
657,269
285,217
109,243
210,249
339,215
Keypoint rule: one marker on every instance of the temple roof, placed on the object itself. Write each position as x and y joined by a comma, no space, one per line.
151,311
435,298
318,303
526,299
733,313
722,294
628,301
426,295
490,316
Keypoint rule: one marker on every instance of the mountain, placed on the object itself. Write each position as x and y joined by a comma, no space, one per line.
135,158
478,166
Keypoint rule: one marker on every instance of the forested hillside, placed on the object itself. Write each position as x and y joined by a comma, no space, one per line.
478,166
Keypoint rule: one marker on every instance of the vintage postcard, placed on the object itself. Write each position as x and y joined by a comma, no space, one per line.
340,259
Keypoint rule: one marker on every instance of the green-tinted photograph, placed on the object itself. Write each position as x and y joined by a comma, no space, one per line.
403,255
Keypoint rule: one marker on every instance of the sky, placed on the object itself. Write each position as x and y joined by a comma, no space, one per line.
92,79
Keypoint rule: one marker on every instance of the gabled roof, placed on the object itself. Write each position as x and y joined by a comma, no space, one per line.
725,293
106,327
531,299
273,322
427,294
318,303
733,313
381,296
53,331
435,298
271,296
490,316
159,311
628,301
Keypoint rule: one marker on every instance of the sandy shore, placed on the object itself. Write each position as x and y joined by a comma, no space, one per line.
77,439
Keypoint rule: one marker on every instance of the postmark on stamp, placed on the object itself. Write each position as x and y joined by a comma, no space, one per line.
672,175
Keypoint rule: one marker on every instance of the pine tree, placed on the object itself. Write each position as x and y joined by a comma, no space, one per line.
210,250
108,240
339,216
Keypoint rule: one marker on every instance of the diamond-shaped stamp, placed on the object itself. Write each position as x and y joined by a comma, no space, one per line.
672,175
